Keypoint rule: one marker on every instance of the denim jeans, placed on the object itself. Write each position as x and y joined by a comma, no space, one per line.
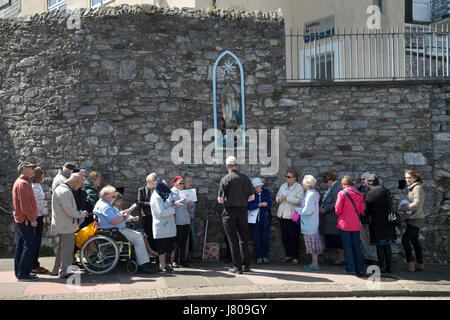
39,230
261,237
25,249
352,250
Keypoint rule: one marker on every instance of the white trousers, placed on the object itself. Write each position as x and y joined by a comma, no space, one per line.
137,240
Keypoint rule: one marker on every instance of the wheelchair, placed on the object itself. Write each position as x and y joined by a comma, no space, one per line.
102,252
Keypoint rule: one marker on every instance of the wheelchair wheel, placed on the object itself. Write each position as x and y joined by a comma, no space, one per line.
99,254
132,266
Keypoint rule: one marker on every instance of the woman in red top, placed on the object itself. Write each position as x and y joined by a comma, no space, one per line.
349,206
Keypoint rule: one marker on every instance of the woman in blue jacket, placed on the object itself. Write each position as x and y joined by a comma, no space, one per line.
261,229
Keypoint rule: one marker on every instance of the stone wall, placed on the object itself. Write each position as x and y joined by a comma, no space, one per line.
110,94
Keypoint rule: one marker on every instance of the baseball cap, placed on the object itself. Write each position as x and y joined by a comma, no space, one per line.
231,160
25,165
70,165
257,182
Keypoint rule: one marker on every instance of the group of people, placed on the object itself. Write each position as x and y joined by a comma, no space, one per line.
355,221
164,221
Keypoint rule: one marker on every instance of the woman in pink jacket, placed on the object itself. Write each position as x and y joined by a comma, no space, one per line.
349,206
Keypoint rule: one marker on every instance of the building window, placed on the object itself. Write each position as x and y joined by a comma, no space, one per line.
53,5
322,66
97,3
5,3
381,4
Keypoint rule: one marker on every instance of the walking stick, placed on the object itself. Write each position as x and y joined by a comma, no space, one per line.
204,240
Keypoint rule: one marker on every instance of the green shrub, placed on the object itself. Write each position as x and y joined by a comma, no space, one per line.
46,251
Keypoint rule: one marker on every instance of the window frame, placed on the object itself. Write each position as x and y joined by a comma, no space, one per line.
7,4
57,5
102,2
381,4
334,49
428,3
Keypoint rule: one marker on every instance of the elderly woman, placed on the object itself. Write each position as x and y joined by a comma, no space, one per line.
261,229
414,221
91,185
309,212
332,236
349,206
164,227
289,198
183,222
42,212
382,232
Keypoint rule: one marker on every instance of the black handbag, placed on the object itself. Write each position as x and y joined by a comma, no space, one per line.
393,216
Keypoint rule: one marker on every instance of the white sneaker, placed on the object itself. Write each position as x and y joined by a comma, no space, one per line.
265,260
259,261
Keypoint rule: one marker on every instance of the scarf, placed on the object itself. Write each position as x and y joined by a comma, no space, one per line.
162,190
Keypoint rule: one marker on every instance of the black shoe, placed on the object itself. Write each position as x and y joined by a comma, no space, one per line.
28,278
247,268
147,268
166,269
235,270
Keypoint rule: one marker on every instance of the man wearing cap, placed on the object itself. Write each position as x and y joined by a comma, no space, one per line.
63,174
235,191
25,215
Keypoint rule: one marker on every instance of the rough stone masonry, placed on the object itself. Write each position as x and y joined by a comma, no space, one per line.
109,94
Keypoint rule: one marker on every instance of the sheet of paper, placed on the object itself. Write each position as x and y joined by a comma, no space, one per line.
252,215
189,194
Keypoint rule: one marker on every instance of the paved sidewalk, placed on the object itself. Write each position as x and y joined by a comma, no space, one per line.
212,281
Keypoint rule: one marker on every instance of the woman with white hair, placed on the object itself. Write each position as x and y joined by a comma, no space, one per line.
261,229
309,212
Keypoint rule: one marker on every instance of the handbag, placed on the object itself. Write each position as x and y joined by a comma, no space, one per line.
84,234
393,216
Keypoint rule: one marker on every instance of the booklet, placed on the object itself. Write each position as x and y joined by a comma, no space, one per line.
405,203
252,215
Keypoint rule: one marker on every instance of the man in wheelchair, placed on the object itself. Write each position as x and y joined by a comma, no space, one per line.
109,217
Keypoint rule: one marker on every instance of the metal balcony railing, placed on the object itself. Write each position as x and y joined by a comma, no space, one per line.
354,54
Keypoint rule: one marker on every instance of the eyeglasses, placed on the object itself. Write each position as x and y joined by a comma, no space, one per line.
181,183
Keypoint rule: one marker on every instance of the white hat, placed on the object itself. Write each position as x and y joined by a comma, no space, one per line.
257,182
231,160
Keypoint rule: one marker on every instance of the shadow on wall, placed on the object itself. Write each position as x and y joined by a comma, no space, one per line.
8,174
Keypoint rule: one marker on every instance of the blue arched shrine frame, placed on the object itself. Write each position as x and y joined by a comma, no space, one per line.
227,52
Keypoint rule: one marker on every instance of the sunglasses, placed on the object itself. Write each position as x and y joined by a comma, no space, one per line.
289,177
362,179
